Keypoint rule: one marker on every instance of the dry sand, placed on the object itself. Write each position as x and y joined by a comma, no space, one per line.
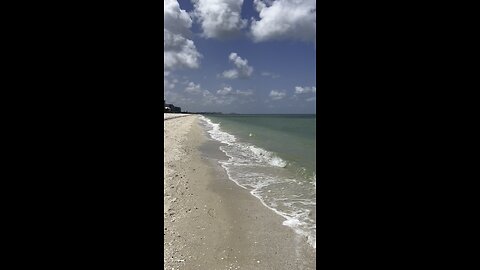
173,115
209,221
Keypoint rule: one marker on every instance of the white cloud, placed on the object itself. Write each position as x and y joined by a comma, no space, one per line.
167,83
277,95
225,90
176,20
285,19
228,90
244,93
208,98
223,98
242,69
195,96
305,90
219,18
311,99
193,88
270,74
178,50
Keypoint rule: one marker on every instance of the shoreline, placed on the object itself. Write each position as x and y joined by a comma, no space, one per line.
210,221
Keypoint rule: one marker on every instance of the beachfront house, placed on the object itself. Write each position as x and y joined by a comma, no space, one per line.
176,109
170,108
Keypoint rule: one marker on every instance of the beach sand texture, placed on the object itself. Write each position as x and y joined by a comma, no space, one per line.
209,221
173,115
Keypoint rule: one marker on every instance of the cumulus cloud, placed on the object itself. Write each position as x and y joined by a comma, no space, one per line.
277,95
227,96
219,18
178,50
222,97
193,88
305,90
242,70
228,90
175,19
194,95
284,19
225,91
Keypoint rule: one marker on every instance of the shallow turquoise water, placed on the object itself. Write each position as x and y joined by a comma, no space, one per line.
273,156
291,137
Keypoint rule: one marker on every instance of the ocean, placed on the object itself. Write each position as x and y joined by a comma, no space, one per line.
272,156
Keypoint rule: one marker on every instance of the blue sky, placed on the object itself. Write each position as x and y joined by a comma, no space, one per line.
240,56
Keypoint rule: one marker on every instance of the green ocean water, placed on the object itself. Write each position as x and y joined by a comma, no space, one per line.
272,156
291,137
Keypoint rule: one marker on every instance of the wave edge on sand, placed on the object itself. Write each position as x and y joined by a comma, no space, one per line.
241,155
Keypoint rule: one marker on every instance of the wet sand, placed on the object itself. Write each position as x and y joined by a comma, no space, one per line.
210,222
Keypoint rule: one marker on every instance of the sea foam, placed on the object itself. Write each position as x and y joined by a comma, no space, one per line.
260,171
218,134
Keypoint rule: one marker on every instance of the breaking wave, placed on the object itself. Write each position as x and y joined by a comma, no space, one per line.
263,173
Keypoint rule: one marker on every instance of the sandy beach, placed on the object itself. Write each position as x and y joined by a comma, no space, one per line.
209,221
167,116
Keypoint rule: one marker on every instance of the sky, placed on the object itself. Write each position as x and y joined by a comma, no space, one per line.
240,56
